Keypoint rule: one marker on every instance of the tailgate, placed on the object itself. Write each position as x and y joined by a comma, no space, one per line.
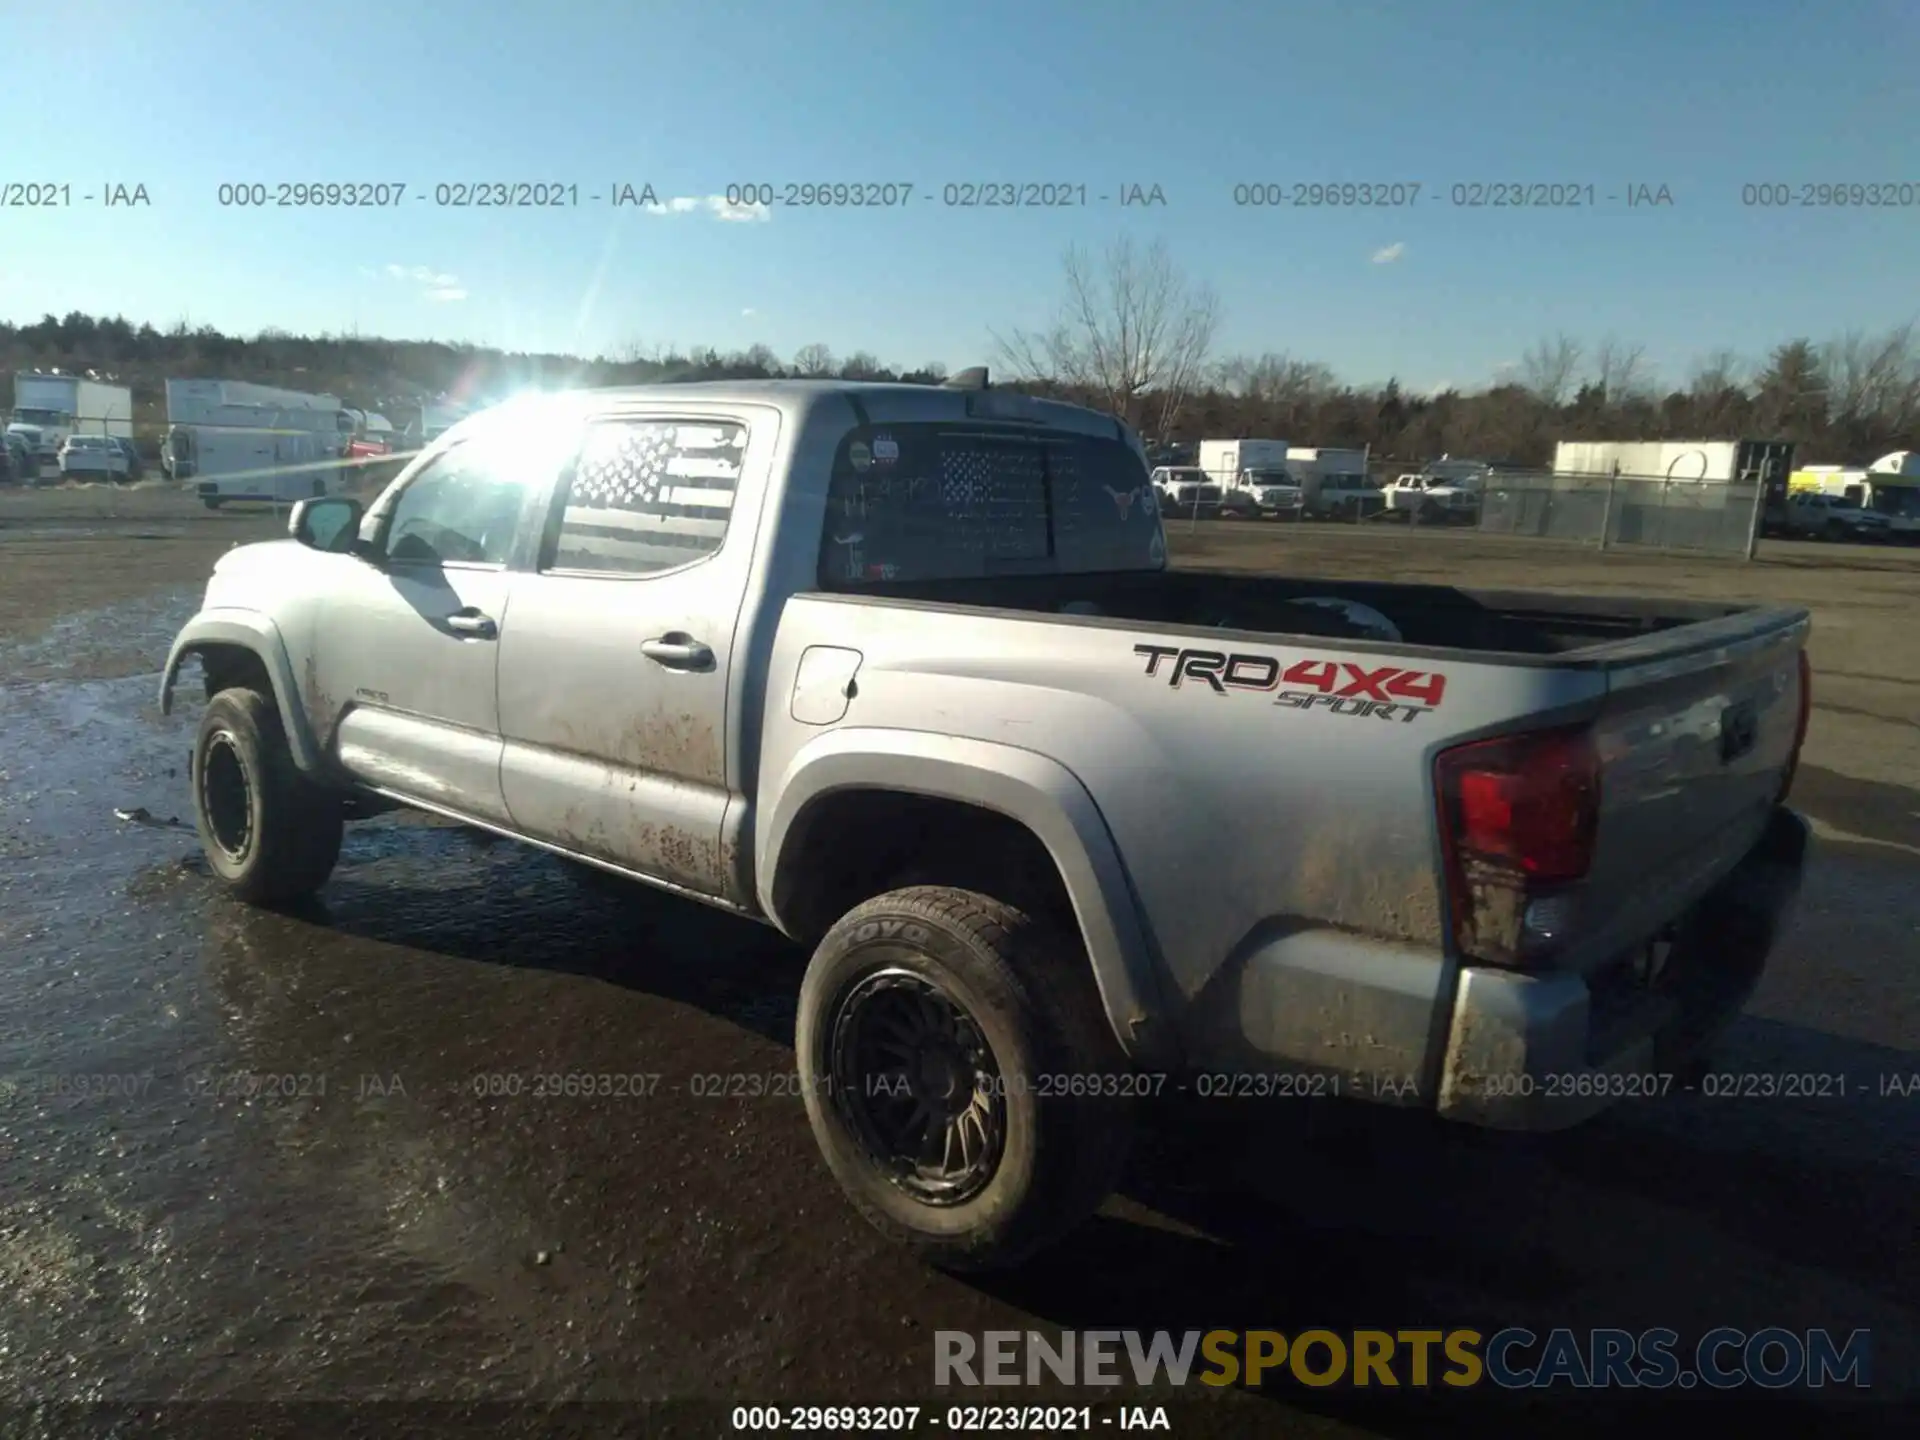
1695,739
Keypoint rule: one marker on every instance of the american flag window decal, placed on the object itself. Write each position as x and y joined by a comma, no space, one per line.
958,501
650,494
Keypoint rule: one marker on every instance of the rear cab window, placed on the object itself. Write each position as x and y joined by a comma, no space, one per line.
958,500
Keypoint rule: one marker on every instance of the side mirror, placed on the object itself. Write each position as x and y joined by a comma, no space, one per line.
330,523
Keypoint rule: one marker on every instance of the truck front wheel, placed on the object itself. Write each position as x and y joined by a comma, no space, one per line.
960,1075
269,833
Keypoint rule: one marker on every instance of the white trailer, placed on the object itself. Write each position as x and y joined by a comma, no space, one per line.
47,408
244,442
1708,462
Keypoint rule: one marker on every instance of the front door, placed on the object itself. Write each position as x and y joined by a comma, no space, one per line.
614,673
402,683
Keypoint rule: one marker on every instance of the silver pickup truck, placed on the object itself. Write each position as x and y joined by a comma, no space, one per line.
903,671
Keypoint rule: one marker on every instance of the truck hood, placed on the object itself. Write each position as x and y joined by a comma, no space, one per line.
246,573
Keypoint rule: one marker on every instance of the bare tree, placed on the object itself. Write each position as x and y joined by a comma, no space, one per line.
762,359
1132,333
1283,381
1620,370
1717,374
815,362
861,366
1548,370
1873,383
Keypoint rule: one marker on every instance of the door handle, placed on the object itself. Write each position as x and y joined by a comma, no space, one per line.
472,622
678,652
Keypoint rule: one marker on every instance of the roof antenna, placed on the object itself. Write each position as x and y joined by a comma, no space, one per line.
974,379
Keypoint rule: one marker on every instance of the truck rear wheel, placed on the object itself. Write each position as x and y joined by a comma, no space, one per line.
270,834
960,1075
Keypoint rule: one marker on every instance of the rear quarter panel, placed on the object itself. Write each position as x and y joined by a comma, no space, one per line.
1244,818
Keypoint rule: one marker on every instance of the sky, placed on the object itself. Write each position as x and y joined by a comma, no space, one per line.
1189,98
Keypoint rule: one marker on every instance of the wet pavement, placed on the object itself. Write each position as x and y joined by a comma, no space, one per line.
331,1155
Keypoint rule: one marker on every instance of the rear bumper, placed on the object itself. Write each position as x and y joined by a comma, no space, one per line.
1543,1052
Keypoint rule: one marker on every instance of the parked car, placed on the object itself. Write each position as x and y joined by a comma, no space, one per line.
1817,516
1063,827
136,465
95,456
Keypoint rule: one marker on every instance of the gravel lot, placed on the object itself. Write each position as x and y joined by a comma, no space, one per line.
394,1236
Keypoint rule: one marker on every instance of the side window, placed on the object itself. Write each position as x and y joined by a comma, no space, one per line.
930,501
458,511
648,495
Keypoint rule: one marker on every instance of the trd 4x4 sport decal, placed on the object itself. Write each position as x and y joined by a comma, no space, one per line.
1386,692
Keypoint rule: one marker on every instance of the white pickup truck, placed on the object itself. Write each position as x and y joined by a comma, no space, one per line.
903,671
1424,499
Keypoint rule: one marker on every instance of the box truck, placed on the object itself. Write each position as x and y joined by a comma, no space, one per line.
239,441
48,408
1334,483
1255,471
1226,461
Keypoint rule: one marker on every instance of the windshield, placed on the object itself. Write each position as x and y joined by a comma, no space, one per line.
1270,477
41,417
1901,500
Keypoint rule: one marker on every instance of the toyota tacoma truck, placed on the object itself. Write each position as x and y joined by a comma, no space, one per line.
904,672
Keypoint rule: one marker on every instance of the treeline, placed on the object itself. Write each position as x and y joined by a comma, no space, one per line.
1844,401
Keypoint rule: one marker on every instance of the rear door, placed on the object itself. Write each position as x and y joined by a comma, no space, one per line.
614,674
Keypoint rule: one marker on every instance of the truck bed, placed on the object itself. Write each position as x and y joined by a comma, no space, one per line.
1320,810
1511,624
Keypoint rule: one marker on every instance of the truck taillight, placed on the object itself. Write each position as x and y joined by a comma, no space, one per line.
1518,817
1799,726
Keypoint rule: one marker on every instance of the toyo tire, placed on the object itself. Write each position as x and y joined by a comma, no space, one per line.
269,833
1014,1079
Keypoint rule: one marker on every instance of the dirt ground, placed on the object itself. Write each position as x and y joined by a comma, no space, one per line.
395,1232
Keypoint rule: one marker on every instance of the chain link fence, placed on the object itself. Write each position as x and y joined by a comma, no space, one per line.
1629,510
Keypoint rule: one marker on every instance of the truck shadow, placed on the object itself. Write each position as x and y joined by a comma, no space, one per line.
1386,1221
1684,1212
1889,814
